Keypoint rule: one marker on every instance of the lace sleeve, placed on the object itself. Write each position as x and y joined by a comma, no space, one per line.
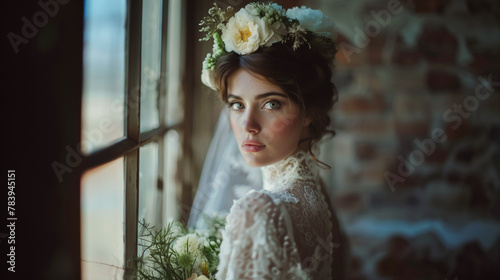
257,242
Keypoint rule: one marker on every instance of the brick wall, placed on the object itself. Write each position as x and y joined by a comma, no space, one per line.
416,159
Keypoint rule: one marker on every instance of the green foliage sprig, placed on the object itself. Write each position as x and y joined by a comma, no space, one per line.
215,21
160,258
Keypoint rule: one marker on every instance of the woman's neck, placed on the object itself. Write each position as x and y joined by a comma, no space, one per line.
282,174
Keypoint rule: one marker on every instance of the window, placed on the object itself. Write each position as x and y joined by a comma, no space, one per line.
130,125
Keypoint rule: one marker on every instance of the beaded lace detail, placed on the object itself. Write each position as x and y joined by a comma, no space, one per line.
283,231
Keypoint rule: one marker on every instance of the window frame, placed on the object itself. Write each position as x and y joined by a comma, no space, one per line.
129,145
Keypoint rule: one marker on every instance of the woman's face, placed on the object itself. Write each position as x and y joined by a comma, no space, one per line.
266,123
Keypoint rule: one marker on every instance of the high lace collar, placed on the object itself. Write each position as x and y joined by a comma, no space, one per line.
281,175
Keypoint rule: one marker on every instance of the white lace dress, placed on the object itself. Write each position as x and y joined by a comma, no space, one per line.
283,231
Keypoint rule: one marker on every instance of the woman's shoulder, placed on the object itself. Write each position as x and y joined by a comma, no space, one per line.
255,200
254,210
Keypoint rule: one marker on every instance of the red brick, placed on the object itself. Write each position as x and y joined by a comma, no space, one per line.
348,201
485,264
343,78
373,174
456,133
347,55
352,176
373,6
405,55
367,127
479,6
398,246
375,49
480,198
484,61
413,129
366,151
481,63
438,45
426,6
446,197
362,104
495,78
438,156
411,107
355,265
412,181
442,81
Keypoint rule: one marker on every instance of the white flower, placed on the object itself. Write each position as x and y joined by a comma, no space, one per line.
269,33
246,32
252,9
313,20
196,277
193,245
241,33
189,243
278,30
208,78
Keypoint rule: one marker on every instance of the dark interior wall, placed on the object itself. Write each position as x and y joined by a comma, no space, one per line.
41,114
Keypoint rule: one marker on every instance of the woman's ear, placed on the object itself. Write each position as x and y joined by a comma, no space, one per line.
306,121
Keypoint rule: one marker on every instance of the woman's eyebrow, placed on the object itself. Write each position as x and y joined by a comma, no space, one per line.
233,96
267,94
260,96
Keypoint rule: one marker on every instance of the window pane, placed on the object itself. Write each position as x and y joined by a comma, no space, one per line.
172,149
150,74
148,176
102,222
104,74
176,52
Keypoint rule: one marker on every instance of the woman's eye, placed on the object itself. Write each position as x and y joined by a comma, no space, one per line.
272,105
236,106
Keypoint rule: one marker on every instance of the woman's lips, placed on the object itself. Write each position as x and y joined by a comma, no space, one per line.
252,146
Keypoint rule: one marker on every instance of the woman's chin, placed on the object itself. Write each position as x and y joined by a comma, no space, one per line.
258,159
253,162
254,159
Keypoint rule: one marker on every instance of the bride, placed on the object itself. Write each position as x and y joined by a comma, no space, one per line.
272,67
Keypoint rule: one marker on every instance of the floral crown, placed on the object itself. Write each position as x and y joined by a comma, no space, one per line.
262,25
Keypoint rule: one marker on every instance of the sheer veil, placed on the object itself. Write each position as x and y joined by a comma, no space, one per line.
226,176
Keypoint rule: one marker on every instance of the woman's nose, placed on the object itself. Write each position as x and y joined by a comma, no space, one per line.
250,123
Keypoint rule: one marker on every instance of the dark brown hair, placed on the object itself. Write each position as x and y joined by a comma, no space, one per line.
303,74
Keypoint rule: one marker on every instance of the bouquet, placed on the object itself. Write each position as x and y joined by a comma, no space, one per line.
178,253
